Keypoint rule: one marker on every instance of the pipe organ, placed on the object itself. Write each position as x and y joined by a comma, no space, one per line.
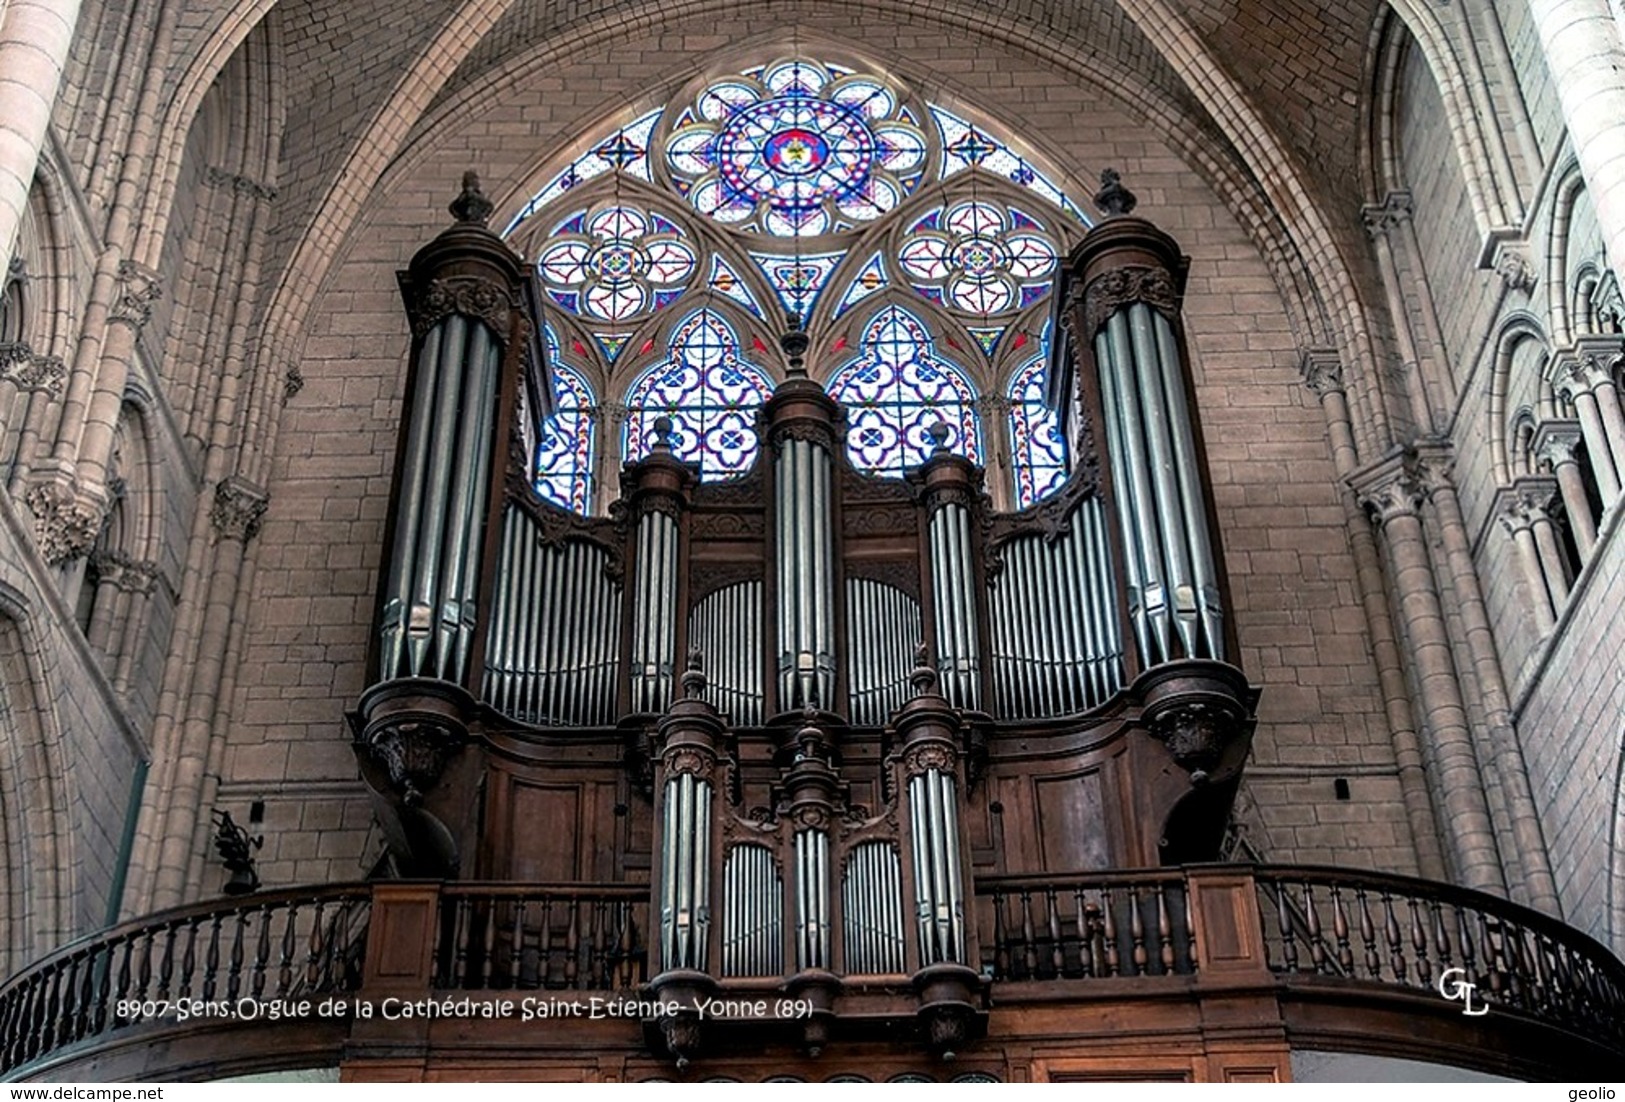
807,708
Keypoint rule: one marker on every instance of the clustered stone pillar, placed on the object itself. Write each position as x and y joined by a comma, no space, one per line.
1585,374
1392,493
1556,444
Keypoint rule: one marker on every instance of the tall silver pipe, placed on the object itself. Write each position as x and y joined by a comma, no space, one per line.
924,894
1192,502
955,881
438,480
1147,378
1144,589
668,875
404,552
457,611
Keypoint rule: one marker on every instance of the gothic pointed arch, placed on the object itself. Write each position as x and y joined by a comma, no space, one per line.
916,244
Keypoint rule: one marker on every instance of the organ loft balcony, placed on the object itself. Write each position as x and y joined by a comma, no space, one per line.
821,770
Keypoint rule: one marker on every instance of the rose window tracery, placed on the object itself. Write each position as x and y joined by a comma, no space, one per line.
616,263
979,257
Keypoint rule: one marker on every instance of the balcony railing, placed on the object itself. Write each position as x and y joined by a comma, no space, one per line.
1390,931
1311,941
197,961
565,937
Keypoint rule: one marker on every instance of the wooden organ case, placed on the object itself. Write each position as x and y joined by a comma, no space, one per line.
801,713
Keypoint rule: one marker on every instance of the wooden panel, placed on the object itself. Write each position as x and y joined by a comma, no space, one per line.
548,839
1071,815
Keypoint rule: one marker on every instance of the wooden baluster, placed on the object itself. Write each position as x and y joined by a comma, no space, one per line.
84,1019
234,977
1340,931
600,947
262,952
1398,972
1289,937
166,963
516,945
1057,952
1464,942
313,946
1085,919
1029,948
465,937
544,944
1441,936
104,988
1312,931
211,957
572,946
1543,973
124,967
53,1011
1136,930
284,974
1419,942
1165,931
1190,930
1108,930
1494,963
1001,940
626,948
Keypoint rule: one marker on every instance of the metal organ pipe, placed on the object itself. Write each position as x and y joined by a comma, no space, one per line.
872,911
654,613
429,615
812,899
939,899
882,624
953,586
753,930
554,641
725,626
805,575
685,907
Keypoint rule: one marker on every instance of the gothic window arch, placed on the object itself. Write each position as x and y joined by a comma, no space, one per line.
901,396
700,400
1040,458
812,188
565,438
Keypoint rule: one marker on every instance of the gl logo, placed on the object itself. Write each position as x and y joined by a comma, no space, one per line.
1453,986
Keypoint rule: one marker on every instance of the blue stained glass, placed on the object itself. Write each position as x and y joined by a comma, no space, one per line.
792,148
726,281
966,146
1038,451
895,391
979,257
626,150
564,441
869,281
710,394
798,281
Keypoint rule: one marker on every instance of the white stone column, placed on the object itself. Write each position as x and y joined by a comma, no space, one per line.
1555,444
1518,523
34,38
1578,373
1585,53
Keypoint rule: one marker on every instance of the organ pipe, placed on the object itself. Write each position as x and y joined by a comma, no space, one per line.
882,623
872,910
950,487
687,735
1133,277
463,295
753,913
553,645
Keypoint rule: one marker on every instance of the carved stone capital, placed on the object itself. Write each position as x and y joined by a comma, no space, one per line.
121,571
27,370
1388,491
242,185
65,524
1435,469
1589,364
1555,443
1322,371
238,509
138,289
1380,218
1119,287
992,406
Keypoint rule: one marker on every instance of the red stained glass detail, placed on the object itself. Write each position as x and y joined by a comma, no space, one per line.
648,347
1021,339
756,343
839,344
578,348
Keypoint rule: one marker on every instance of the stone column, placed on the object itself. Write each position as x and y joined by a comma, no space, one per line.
34,36
1515,518
1538,496
1528,866
1380,221
1323,375
1390,492
1576,373
1585,53
1555,444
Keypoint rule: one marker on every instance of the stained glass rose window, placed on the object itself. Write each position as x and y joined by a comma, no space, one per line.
979,257
616,263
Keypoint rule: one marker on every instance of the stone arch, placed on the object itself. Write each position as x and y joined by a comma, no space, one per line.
1616,855
37,838
1515,331
1479,147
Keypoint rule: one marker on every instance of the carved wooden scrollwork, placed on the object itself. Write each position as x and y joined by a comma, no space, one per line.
1113,290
